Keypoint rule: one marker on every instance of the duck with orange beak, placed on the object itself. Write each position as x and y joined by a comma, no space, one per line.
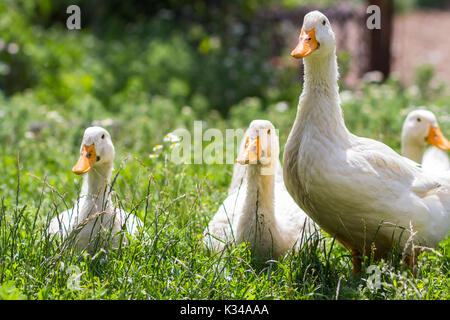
358,190
259,211
421,130
94,217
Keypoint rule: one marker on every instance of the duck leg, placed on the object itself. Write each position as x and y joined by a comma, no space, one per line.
356,261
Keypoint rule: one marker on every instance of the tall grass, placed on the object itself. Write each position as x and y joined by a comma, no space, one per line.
169,261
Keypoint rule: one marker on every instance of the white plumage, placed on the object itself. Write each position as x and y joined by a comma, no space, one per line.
93,217
420,130
357,189
258,208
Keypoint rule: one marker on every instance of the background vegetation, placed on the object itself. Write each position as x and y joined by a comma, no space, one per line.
141,72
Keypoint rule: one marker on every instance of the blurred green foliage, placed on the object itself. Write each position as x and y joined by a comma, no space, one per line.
187,51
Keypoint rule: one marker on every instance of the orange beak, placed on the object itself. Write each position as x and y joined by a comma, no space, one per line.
86,160
251,152
437,138
306,44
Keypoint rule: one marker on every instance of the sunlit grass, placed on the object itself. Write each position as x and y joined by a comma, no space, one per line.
169,261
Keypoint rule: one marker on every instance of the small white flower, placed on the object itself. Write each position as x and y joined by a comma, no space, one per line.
13,48
157,147
170,137
54,115
346,95
373,76
413,91
29,135
186,110
282,106
103,123
154,155
173,145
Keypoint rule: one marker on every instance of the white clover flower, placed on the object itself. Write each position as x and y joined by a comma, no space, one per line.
154,155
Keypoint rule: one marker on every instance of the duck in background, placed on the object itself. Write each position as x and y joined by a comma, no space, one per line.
420,130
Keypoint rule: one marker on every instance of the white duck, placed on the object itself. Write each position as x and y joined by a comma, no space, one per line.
260,211
421,129
357,189
94,215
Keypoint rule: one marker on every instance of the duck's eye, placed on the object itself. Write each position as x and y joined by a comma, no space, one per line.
324,22
418,119
103,136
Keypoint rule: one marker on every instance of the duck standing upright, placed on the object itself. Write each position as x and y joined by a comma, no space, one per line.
357,189
420,130
94,217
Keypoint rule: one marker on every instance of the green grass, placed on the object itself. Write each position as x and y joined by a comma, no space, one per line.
176,202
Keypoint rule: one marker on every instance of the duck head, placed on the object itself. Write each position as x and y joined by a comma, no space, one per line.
96,149
421,128
316,37
261,145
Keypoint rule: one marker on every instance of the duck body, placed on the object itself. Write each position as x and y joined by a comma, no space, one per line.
275,235
363,192
259,211
356,189
94,218
435,159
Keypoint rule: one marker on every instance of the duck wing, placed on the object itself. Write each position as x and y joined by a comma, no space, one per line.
222,227
399,190
63,223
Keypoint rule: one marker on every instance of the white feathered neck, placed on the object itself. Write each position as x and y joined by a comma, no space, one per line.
412,150
258,210
95,195
260,191
319,104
